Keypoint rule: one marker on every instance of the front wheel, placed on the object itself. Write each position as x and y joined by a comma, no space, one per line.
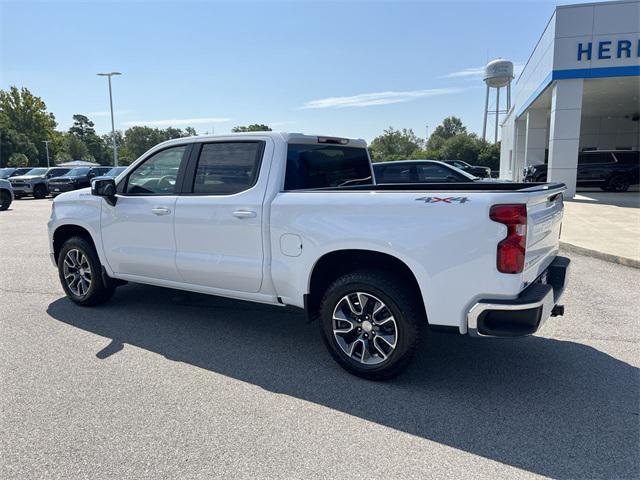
370,324
39,191
80,273
5,200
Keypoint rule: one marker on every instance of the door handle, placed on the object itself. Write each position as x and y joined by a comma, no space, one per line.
244,214
160,211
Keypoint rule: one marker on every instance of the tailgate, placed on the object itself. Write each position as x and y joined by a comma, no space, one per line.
544,220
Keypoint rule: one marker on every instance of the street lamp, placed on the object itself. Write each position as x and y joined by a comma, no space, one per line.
46,145
113,128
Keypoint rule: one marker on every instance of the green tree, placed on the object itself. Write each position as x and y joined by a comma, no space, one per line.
395,145
450,127
13,142
61,157
255,127
18,160
489,155
139,139
463,146
24,113
76,148
83,129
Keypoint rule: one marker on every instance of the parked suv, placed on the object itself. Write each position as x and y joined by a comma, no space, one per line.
611,170
74,179
9,172
34,182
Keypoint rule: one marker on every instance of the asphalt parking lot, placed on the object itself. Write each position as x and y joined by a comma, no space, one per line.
164,384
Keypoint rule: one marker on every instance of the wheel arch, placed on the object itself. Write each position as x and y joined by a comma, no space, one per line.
65,232
334,264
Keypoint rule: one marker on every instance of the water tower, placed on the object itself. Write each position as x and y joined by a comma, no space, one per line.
497,74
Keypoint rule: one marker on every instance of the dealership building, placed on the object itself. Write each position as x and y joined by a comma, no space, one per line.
579,90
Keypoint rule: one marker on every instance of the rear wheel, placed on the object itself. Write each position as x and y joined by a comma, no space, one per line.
541,178
618,183
370,324
5,200
39,191
80,273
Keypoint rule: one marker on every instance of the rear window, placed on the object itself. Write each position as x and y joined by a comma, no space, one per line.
320,166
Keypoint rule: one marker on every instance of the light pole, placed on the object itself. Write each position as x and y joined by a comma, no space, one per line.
426,139
46,146
113,128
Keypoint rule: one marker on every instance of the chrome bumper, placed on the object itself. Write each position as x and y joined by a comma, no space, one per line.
525,314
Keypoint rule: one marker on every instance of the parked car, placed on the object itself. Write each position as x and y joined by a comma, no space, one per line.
34,182
9,172
292,219
6,194
97,172
475,170
419,171
72,180
611,170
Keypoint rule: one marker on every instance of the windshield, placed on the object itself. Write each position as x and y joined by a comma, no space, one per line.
36,171
6,171
115,171
77,172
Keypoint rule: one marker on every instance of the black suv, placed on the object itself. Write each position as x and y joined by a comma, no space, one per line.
611,170
74,179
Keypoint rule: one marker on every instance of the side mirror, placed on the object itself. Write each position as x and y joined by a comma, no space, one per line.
105,187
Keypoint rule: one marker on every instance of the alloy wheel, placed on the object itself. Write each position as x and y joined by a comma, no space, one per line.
364,328
77,272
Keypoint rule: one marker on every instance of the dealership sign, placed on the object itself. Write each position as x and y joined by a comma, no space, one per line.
606,49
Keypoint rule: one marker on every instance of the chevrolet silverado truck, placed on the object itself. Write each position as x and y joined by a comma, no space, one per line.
297,220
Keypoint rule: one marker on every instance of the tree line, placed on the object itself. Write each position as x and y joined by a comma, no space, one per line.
449,141
25,125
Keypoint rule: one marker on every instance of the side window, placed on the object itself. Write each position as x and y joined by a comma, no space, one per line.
158,174
592,158
396,174
57,172
432,173
227,168
630,157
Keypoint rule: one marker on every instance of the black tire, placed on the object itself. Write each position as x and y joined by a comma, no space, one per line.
39,191
618,183
541,178
97,292
401,304
5,200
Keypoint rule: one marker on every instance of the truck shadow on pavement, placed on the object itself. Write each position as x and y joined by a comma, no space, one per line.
554,408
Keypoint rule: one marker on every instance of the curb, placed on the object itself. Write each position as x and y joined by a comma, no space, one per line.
607,257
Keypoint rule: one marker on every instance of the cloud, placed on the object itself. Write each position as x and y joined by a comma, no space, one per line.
478,72
174,122
379,98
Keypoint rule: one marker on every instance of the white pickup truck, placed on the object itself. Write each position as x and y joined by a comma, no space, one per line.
292,219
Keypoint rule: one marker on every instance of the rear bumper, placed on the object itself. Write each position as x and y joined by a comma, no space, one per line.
525,314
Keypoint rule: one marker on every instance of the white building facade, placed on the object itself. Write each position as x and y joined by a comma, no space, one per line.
580,90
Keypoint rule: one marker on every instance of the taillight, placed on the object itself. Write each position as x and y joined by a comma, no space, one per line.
511,250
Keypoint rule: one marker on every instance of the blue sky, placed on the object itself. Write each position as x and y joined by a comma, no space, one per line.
349,69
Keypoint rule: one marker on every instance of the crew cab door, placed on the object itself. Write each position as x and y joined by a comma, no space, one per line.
219,217
137,232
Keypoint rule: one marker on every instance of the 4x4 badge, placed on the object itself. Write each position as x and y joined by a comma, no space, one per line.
443,199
